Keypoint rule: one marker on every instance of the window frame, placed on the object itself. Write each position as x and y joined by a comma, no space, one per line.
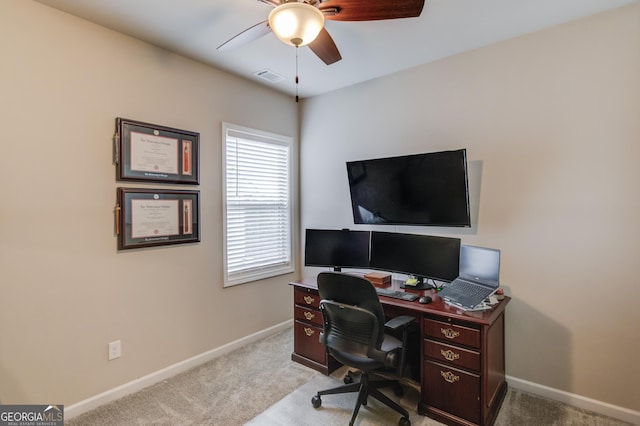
267,271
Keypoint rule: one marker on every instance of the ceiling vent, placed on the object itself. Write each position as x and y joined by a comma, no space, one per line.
270,76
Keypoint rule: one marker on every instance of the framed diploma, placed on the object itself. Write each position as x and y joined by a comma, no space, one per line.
149,152
154,217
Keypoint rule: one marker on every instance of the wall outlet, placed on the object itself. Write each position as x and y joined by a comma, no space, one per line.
115,350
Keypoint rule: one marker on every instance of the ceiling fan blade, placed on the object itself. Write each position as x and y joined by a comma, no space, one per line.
250,34
325,48
371,10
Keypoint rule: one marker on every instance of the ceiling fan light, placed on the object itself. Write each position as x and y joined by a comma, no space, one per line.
296,24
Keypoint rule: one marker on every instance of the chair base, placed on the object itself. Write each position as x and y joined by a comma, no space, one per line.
365,388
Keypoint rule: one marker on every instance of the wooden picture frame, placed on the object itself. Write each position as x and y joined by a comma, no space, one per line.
156,217
153,153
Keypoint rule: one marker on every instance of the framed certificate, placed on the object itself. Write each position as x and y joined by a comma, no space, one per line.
155,217
149,152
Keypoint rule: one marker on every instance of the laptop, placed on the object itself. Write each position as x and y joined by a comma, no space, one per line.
477,279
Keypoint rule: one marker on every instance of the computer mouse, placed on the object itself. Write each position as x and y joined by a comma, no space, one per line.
425,299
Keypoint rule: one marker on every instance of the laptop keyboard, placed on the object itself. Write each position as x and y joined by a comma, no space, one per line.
468,290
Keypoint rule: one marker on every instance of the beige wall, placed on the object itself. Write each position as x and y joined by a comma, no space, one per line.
551,122
65,291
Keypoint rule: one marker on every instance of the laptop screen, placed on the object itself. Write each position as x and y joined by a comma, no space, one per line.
480,264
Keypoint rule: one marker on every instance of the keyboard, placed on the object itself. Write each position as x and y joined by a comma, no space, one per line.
396,294
464,288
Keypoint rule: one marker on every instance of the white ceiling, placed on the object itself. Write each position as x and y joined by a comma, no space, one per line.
194,28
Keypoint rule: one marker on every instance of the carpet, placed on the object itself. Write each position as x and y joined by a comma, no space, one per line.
227,391
296,410
260,382
518,408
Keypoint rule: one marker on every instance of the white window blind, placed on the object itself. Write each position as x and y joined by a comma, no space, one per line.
257,205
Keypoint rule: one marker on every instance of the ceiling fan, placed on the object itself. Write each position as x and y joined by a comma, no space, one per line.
338,10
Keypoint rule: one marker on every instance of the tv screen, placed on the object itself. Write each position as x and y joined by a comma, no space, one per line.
421,189
336,248
423,256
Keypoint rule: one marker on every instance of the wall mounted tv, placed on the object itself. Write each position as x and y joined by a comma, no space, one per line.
423,189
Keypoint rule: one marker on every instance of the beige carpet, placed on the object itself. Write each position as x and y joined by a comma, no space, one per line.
259,384
296,409
518,408
227,391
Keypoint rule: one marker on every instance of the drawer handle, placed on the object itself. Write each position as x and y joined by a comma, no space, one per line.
449,355
309,300
450,333
449,376
309,315
309,331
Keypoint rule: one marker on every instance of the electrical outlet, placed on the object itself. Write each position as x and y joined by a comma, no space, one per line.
115,350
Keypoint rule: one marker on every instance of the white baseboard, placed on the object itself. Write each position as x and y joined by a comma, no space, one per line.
574,400
157,376
96,401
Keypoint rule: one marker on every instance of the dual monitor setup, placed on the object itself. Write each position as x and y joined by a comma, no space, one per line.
424,257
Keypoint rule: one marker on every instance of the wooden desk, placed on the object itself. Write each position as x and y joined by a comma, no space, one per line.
462,362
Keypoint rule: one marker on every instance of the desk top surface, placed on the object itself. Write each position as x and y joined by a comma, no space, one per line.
436,307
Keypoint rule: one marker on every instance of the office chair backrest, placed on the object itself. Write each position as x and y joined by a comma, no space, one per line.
354,319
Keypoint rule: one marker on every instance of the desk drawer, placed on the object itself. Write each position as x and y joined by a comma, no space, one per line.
306,297
307,342
452,390
454,333
313,316
453,355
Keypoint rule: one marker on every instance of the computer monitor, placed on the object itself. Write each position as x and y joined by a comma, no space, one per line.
336,248
423,256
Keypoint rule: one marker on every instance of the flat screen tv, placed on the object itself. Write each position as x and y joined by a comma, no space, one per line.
423,256
336,248
422,189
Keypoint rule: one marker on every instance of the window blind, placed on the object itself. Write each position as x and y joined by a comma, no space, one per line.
257,207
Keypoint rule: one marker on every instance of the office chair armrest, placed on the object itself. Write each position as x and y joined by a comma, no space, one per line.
398,322
393,358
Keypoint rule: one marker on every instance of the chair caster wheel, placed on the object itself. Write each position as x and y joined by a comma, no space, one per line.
316,401
348,379
404,421
398,391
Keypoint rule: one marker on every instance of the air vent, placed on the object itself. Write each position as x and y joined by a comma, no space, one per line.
269,75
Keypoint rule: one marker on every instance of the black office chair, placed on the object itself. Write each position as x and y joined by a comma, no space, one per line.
354,334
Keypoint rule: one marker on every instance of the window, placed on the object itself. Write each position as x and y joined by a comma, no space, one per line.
257,205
